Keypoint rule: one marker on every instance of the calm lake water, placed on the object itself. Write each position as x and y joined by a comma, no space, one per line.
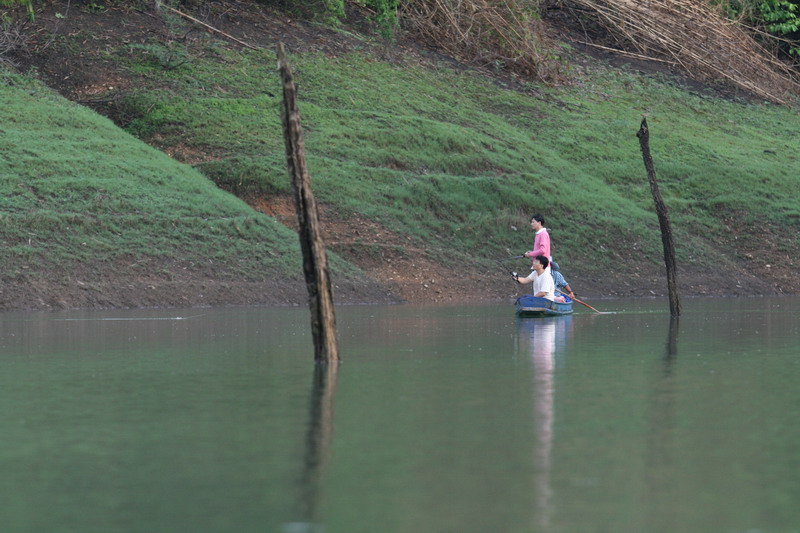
440,419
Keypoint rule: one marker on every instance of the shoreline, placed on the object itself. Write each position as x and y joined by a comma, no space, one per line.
220,298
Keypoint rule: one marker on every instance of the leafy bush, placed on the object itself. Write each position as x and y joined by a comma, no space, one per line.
332,11
780,16
776,17
27,4
385,14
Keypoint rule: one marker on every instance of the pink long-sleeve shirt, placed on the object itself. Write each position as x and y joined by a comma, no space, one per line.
541,244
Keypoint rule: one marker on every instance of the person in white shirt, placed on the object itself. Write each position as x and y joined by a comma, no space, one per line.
543,285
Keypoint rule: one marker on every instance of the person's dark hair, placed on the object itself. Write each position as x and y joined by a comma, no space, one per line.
539,218
543,260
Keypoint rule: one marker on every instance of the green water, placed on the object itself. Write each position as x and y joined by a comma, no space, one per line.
440,419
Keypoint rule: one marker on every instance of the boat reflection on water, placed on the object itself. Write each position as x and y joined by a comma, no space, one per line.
542,340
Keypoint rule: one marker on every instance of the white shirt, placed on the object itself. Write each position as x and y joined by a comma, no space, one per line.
543,283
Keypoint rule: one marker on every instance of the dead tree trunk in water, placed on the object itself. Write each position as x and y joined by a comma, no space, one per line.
663,220
315,260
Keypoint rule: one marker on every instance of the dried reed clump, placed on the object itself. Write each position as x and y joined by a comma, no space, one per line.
13,39
501,34
694,36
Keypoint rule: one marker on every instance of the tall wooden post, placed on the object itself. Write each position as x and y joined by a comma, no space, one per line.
315,260
663,220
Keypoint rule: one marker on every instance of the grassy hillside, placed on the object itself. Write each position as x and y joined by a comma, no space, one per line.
457,161
85,206
437,164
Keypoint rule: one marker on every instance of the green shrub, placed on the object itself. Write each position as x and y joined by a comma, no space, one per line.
27,4
780,18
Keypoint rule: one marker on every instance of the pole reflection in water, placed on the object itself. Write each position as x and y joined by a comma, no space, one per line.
318,447
541,339
660,461
672,340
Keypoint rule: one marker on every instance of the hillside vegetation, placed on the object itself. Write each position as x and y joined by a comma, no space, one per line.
428,171
90,216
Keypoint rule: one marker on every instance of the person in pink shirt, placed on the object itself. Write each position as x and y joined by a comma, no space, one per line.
541,242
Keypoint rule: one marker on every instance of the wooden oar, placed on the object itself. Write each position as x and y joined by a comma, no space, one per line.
580,302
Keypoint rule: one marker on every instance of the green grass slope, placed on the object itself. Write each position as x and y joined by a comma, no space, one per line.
459,162
86,207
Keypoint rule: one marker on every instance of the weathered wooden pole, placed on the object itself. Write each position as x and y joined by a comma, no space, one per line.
663,220
315,260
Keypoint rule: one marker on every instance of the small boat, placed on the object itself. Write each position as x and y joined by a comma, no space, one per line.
533,306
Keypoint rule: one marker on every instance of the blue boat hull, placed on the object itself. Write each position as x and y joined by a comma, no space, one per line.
531,306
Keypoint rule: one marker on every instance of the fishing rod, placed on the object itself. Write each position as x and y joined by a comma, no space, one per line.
505,267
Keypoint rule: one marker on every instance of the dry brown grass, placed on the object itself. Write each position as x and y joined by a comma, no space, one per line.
493,33
695,36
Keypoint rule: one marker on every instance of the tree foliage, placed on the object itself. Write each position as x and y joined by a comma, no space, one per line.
384,12
780,18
